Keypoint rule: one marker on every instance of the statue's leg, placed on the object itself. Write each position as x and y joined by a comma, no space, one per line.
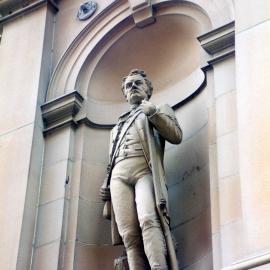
123,201
153,238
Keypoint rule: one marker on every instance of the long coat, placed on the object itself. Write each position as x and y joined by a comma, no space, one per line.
153,132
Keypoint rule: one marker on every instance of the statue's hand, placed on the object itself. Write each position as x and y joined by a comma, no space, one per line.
105,193
148,108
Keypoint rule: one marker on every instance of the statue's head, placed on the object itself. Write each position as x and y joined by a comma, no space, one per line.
136,87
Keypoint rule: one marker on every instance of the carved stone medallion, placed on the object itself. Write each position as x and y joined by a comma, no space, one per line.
86,10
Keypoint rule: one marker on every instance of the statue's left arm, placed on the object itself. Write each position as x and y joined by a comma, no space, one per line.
166,124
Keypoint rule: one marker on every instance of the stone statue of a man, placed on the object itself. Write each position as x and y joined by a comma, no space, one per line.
135,181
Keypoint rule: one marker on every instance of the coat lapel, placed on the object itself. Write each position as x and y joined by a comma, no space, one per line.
122,133
140,124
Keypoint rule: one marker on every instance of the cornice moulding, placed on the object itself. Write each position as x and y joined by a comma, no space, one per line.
28,9
61,111
218,39
222,56
219,44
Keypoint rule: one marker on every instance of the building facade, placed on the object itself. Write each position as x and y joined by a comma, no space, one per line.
60,95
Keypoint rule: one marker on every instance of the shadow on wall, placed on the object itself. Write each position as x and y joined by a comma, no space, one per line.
187,172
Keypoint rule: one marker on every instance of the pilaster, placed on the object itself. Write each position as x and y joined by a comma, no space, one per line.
253,113
56,221
23,82
223,145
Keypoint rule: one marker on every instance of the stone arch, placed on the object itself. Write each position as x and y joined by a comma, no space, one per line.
96,33
168,50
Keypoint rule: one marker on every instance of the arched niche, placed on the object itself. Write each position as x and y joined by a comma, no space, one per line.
93,65
103,31
169,52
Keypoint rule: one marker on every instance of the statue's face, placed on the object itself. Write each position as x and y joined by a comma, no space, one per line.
136,89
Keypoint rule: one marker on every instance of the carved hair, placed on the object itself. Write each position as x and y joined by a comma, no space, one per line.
143,74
